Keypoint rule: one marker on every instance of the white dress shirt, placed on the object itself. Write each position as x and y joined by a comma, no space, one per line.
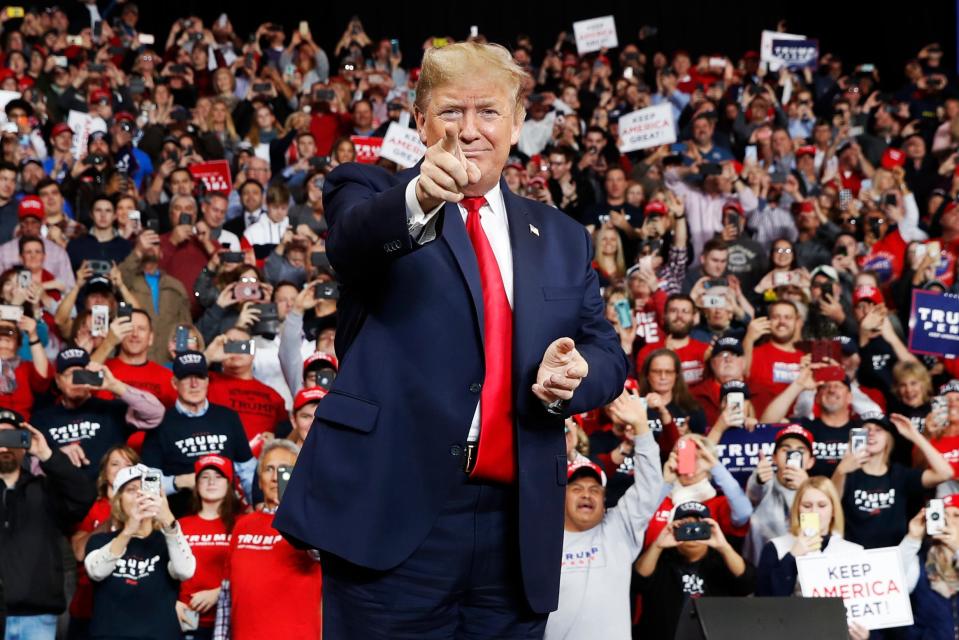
265,231
496,226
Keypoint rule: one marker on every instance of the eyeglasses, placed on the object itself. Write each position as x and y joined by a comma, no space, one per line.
784,251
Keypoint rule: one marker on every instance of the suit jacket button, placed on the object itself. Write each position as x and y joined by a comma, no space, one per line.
476,387
456,450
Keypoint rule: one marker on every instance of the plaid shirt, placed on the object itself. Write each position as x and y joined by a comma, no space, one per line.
672,273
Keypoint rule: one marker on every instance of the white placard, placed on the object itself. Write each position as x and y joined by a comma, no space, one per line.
83,124
766,47
649,127
870,583
595,34
402,145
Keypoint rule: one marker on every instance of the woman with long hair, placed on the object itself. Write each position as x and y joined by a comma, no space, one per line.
81,606
137,562
219,123
609,262
942,429
672,410
215,510
785,270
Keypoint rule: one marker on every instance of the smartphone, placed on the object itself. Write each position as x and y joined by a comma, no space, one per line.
96,67
845,197
935,517
327,291
623,313
100,320
232,257
781,278
145,38
794,459
24,279
940,410
150,483
692,531
283,473
91,378
751,154
190,620
857,439
61,61
135,221
100,267
181,339
714,301
15,438
184,219
474,31
686,450
178,68
262,87
97,29
153,225
736,407
324,95
124,310
75,41
395,46
934,251
832,373
304,28
823,349
11,312
242,347
16,12
628,73
809,524
319,259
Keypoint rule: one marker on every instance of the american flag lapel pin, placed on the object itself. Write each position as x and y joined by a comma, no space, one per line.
534,230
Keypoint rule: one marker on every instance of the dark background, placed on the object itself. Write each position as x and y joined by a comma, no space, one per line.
883,33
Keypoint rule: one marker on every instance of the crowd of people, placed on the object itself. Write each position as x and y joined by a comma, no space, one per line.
164,344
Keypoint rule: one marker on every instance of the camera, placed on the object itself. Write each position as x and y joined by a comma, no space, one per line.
714,301
246,291
269,322
693,531
99,267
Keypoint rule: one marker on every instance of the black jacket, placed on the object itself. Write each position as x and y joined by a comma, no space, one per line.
34,516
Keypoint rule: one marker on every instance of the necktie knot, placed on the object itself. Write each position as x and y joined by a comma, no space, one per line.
473,204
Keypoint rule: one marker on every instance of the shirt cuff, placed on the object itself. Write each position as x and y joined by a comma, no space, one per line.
415,216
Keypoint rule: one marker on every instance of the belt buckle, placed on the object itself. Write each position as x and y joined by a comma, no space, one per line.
469,459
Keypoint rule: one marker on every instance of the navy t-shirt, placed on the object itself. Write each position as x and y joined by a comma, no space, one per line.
830,444
137,600
878,508
174,446
96,425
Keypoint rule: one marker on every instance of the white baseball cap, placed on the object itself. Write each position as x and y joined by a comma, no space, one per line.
126,474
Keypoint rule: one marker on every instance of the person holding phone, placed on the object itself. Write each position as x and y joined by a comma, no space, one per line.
137,563
876,492
42,493
216,509
772,487
22,380
262,565
677,566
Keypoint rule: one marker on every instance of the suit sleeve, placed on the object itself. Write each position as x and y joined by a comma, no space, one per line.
366,209
597,342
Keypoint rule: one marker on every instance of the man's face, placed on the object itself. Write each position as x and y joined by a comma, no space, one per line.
103,214
483,111
214,211
727,366
615,184
32,253
140,338
268,474
303,420
251,197
718,318
702,131
781,143
258,169
821,134
70,391
182,205
714,263
782,321
834,397
585,498
276,212
10,459
306,147
862,309
181,184
30,226
284,298
52,200
559,166
191,390
595,140
8,183
362,115
680,318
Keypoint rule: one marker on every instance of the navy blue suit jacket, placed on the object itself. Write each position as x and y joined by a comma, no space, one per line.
376,468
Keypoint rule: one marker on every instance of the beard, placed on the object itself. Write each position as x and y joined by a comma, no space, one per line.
8,463
679,329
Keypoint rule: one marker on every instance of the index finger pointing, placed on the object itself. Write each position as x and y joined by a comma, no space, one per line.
450,142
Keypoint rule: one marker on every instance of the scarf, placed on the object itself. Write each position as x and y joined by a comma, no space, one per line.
698,492
942,574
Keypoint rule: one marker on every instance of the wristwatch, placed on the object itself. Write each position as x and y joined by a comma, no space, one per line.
557,407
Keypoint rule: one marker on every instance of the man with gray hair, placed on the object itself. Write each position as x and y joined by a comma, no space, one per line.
470,325
188,247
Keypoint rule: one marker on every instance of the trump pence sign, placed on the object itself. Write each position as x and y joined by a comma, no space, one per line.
870,583
934,323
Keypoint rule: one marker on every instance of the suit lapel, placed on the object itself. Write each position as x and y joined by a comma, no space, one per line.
454,234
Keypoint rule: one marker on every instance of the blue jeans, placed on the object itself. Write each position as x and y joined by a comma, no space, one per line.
42,627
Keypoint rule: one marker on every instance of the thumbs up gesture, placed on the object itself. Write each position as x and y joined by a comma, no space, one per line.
445,172
560,372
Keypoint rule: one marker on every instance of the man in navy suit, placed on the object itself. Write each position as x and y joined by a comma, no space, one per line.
470,324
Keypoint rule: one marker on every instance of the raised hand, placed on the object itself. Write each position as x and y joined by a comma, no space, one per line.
445,172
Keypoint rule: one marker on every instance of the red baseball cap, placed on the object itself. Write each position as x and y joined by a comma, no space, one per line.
734,206
124,115
221,464
656,206
60,127
321,357
588,466
952,500
306,396
806,150
892,157
795,431
30,206
867,292
99,95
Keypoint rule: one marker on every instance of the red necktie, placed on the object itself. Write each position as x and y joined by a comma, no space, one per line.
496,457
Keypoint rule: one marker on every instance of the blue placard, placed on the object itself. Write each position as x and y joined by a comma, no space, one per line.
739,450
934,323
797,54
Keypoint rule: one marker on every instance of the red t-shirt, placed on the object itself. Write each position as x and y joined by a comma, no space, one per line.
267,574
29,384
718,510
150,377
260,407
948,446
706,393
771,371
690,357
210,543
82,604
886,257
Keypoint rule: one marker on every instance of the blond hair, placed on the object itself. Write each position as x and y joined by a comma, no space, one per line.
465,61
824,484
905,369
